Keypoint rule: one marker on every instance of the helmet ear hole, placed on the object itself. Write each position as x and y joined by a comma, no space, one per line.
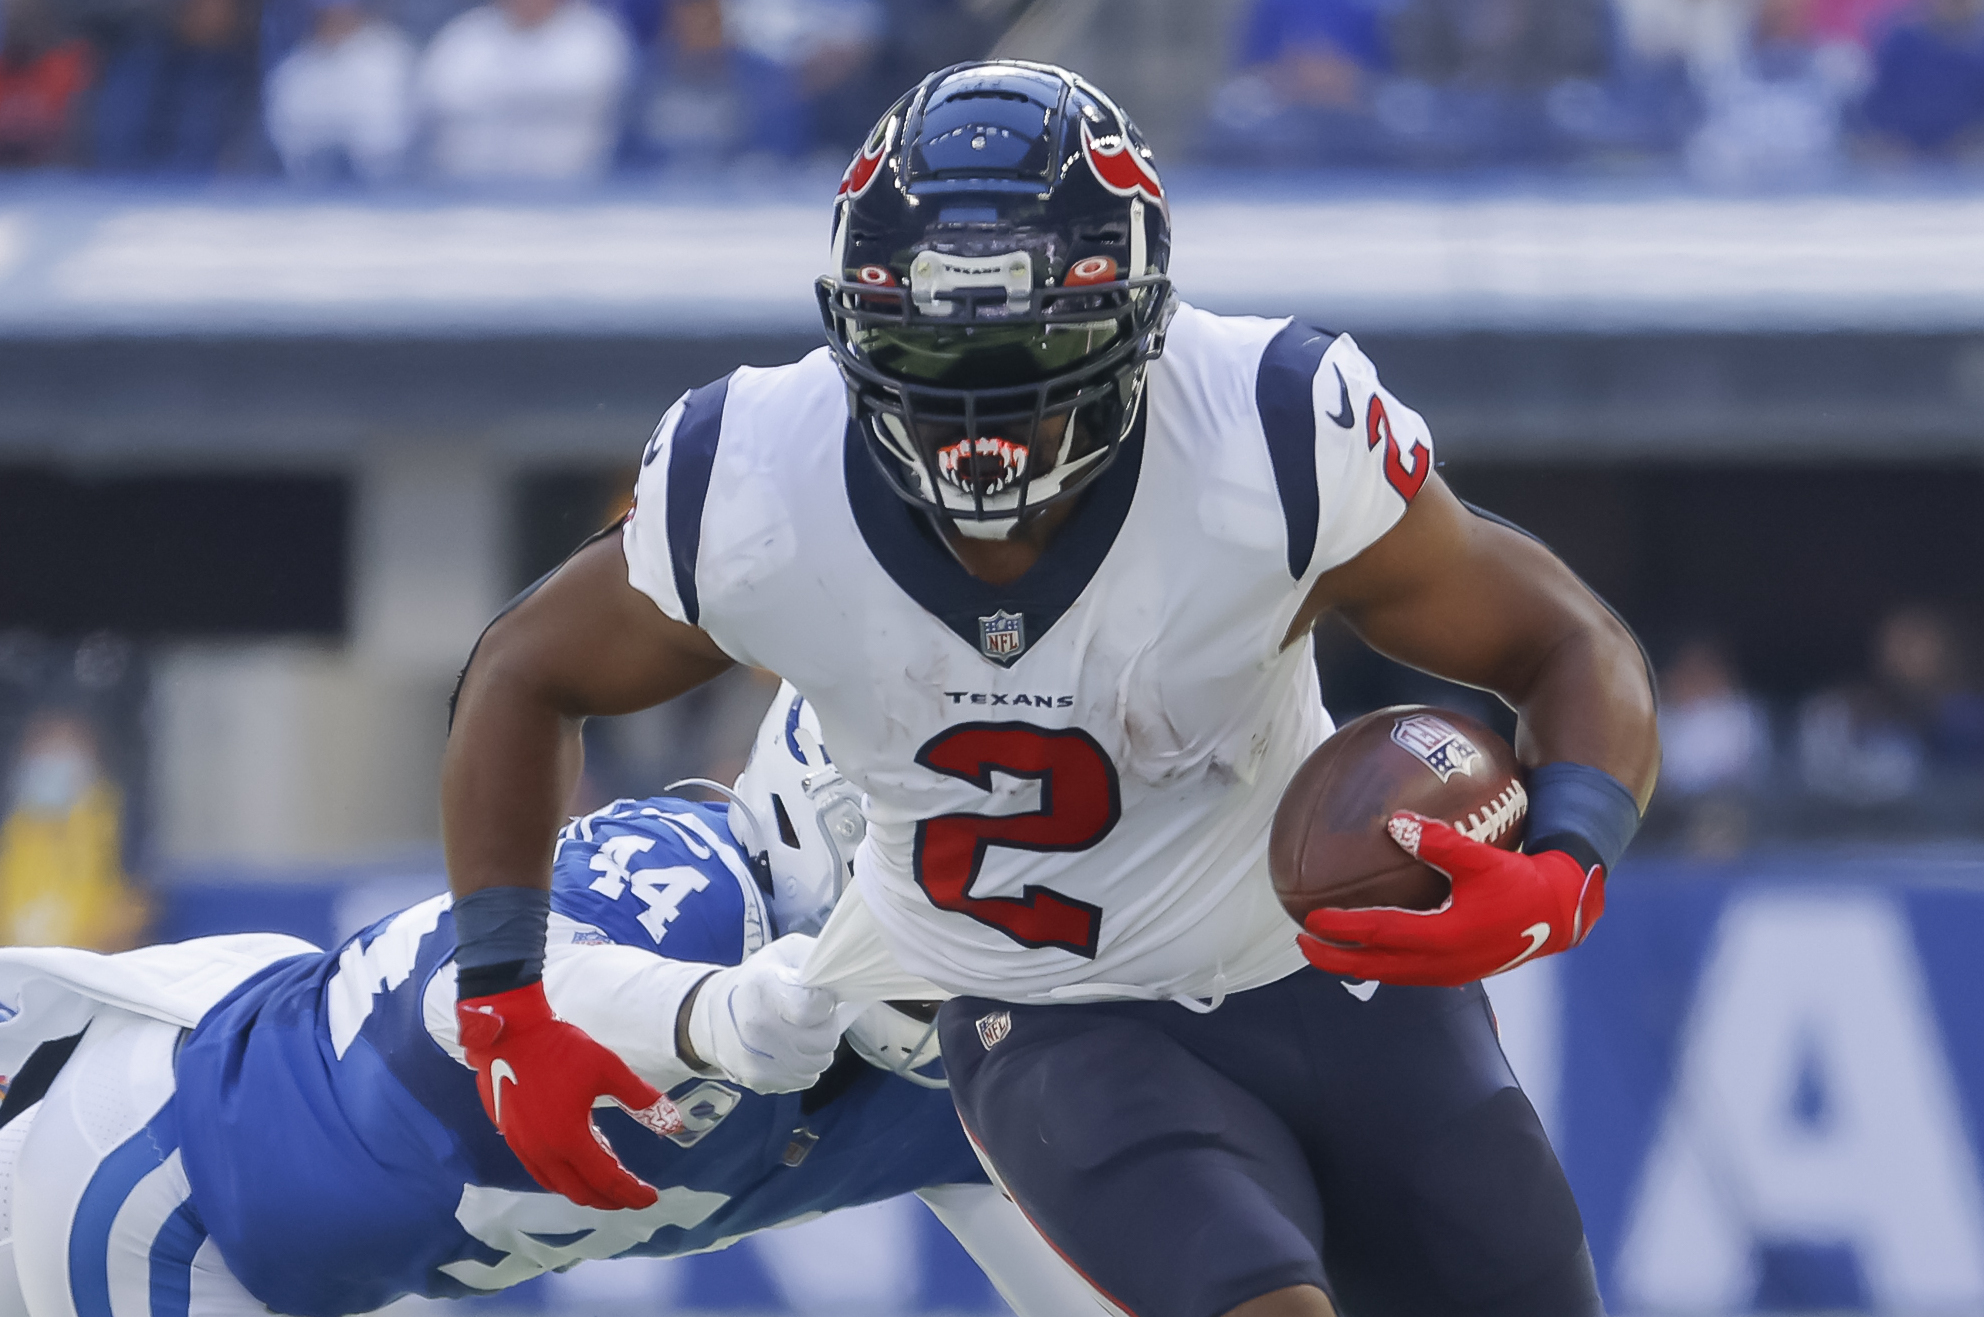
786,832
901,1038
804,816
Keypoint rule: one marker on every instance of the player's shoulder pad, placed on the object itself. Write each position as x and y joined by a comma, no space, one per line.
1210,359
662,534
663,874
1347,455
752,420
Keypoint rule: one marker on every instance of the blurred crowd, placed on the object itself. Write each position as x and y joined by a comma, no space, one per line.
1897,752
533,91
1740,91
567,91
1892,750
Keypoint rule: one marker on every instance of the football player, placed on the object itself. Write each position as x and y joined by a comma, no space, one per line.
1045,545
316,1145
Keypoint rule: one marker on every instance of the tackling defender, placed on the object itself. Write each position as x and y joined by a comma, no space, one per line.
316,1145
1045,546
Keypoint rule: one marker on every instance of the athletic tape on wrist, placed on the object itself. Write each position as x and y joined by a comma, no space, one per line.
1582,810
502,926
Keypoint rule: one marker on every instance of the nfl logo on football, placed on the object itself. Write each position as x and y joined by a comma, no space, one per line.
1437,744
1002,636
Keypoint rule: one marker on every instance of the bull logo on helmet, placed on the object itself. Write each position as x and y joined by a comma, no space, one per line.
866,164
1119,168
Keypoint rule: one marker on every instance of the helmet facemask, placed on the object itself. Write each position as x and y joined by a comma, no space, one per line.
985,407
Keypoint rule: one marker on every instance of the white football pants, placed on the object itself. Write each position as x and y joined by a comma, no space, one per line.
95,1217
1029,1275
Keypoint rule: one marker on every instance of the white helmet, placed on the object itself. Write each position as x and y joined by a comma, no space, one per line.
799,815
794,811
901,1038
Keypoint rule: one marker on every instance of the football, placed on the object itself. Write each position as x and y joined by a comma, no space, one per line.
1329,846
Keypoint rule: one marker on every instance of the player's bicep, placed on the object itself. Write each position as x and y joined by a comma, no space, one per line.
590,643
1460,595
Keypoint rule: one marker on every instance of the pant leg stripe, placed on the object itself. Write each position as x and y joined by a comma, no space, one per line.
999,1183
89,1234
172,1261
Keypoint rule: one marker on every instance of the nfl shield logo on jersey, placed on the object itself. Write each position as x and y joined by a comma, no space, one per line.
993,1028
1436,743
1002,636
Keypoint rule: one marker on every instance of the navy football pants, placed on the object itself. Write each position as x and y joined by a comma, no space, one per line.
1186,1163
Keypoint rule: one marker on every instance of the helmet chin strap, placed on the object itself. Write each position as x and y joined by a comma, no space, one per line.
756,849
1000,528
755,843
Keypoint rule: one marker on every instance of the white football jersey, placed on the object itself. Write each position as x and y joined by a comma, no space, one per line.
1069,779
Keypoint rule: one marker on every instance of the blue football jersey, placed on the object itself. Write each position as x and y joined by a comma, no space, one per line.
340,1158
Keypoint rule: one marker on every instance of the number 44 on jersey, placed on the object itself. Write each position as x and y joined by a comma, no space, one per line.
660,890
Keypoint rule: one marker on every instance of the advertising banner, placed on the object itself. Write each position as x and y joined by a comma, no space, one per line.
1766,1084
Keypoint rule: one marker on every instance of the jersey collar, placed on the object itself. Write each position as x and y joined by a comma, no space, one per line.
1001,623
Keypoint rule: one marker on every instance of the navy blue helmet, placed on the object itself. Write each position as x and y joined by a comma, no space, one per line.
997,287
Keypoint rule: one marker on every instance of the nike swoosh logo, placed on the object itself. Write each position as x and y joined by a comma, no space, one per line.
497,1074
1537,934
1362,991
1345,415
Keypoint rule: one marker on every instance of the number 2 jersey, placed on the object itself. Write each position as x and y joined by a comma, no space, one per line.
1069,780
338,1153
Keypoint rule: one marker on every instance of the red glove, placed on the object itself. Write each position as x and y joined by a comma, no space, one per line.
538,1077
1506,908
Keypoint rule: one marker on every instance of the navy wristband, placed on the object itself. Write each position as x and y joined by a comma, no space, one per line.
1581,810
499,939
490,980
